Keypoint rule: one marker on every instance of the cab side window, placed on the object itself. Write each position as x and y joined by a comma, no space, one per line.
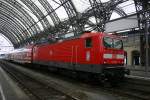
88,42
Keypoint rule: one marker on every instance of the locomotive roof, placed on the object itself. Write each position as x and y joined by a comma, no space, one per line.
84,35
91,34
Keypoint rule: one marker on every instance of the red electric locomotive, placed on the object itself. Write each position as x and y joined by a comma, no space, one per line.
99,54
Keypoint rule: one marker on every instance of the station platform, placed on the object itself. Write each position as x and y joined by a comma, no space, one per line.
139,68
8,88
139,71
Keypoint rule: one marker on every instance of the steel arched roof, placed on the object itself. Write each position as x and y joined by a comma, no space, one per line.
22,21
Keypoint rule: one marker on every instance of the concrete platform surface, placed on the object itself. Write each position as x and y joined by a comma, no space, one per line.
8,88
137,68
139,71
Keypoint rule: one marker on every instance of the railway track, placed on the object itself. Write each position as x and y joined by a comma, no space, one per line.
36,90
132,88
138,88
131,92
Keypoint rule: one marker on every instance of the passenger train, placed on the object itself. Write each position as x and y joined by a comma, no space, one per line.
98,53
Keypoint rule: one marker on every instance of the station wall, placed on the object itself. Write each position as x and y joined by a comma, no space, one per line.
131,57
132,48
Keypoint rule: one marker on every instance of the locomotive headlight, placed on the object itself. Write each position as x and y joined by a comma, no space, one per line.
119,56
107,56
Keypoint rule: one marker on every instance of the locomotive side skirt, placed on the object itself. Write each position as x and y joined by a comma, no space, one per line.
92,68
75,67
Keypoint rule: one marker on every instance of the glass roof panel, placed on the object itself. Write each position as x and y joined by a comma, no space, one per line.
114,16
61,13
30,13
126,3
93,20
81,5
104,1
44,12
22,25
128,7
40,7
54,3
50,20
40,25
5,44
36,19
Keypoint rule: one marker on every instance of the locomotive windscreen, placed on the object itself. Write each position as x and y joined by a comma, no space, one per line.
112,43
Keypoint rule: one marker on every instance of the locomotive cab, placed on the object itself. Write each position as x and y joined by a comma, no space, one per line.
106,55
113,51
113,58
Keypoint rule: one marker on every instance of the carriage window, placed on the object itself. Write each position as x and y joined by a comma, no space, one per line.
88,42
